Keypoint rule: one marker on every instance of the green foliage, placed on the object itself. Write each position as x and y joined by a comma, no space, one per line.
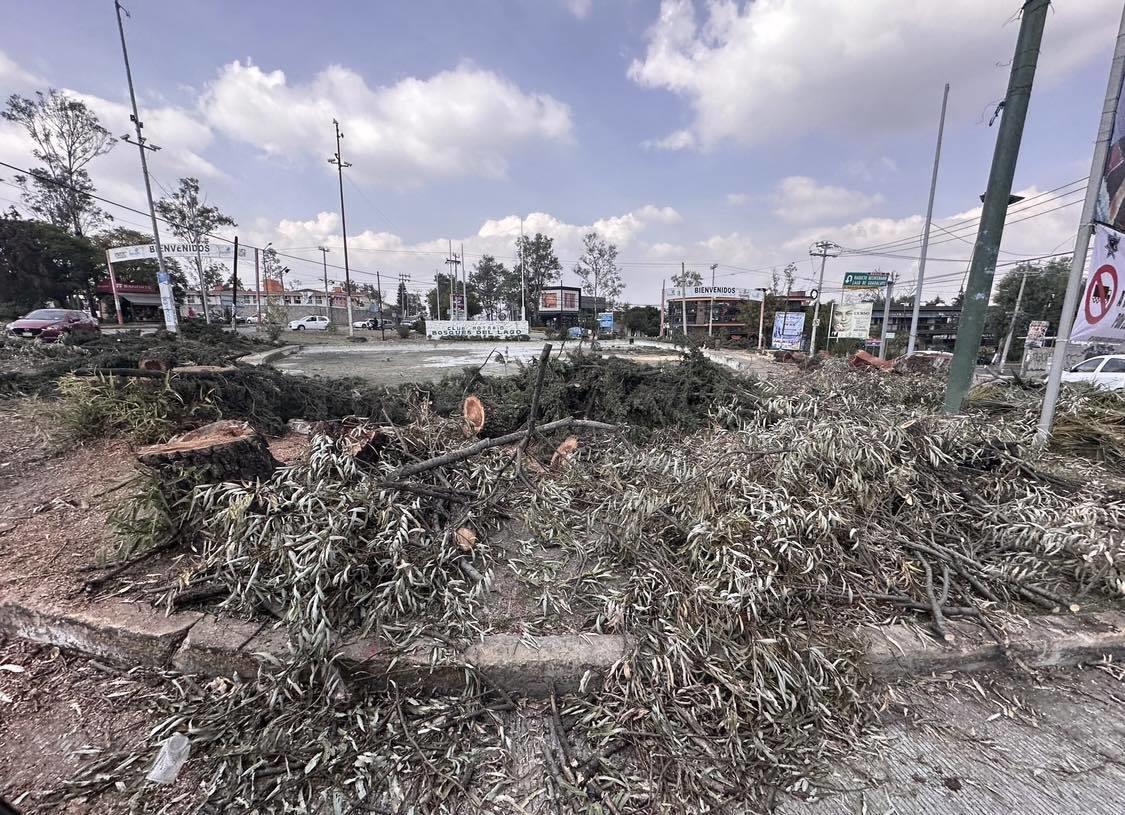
420,326
142,410
40,262
598,271
487,277
643,320
1042,300
403,331
192,219
536,268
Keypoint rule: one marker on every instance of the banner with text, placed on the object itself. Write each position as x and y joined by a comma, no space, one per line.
865,280
852,321
147,251
788,330
721,292
476,329
1101,312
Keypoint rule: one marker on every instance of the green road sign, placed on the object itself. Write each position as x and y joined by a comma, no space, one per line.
865,280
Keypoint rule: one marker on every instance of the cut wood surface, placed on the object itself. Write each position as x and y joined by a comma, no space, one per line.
226,450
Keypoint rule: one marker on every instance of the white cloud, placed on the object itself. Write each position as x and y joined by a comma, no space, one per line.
462,122
677,140
15,78
737,199
760,71
799,199
579,8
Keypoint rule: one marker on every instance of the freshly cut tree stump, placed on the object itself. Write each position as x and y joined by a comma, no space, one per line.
227,450
157,360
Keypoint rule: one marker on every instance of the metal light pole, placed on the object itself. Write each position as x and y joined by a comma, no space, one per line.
926,230
324,250
167,296
523,278
823,250
340,165
1082,239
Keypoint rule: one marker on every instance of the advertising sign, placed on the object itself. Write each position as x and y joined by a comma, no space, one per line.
605,322
788,328
852,321
865,280
1111,196
559,301
476,329
147,251
1036,332
1101,311
721,292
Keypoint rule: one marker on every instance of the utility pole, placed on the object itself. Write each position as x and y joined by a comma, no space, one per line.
991,230
167,296
823,250
340,165
452,261
327,298
828,333
890,293
762,320
711,313
1082,239
234,295
257,288
464,282
683,295
662,282
1012,326
926,230
379,295
523,278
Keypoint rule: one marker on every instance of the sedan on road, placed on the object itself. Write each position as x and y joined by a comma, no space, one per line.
371,324
51,324
314,322
1106,371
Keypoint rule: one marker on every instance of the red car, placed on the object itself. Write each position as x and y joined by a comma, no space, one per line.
50,324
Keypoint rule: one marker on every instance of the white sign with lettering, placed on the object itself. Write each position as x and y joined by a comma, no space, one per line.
476,329
720,292
147,251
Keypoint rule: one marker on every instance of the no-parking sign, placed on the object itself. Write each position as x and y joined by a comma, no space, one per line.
1101,314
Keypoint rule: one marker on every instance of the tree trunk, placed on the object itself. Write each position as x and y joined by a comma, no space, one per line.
226,450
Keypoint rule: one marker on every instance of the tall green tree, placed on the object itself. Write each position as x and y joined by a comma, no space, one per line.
67,137
487,278
41,262
686,278
536,268
440,305
1042,300
192,220
597,270
644,320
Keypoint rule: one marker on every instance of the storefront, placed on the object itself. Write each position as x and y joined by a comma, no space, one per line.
140,302
560,307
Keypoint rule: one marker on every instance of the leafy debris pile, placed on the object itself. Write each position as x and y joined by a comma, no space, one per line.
740,559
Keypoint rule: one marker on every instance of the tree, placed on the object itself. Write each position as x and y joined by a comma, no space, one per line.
687,278
41,262
193,220
536,268
401,299
643,320
487,278
67,137
597,270
1042,300
440,305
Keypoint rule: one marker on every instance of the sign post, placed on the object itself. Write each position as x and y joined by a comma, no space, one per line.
113,288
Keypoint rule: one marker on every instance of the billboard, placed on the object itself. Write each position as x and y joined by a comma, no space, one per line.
1101,311
852,321
788,330
1036,333
605,322
865,280
1110,209
721,292
559,301
476,329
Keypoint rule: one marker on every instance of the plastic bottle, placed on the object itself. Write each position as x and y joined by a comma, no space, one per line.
173,753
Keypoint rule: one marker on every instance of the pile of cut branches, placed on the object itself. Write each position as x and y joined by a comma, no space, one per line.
740,558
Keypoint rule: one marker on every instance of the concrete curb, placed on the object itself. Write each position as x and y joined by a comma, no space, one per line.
129,634
274,354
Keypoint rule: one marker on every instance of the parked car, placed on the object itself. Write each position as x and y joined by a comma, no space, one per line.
253,319
314,322
371,324
50,324
1103,372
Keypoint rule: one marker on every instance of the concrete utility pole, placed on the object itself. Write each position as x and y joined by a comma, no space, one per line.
327,297
683,295
379,294
991,230
823,250
890,293
523,278
340,165
234,288
926,230
167,296
452,261
257,287
1082,240
464,282
1012,325
762,319
662,282
711,312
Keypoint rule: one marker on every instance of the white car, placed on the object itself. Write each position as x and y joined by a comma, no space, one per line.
314,322
1103,372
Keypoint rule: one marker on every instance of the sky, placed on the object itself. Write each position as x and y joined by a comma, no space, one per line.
706,132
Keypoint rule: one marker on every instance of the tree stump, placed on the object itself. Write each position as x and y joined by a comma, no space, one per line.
157,359
226,450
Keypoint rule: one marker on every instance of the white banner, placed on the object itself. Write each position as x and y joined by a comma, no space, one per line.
852,321
147,251
720,292
477,329
1101,311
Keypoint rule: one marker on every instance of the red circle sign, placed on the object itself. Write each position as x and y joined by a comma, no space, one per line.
1100,293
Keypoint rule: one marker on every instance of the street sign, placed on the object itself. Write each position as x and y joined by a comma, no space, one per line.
1036,331
865,280
1101,315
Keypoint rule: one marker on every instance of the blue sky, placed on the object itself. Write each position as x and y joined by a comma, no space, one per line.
711,132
